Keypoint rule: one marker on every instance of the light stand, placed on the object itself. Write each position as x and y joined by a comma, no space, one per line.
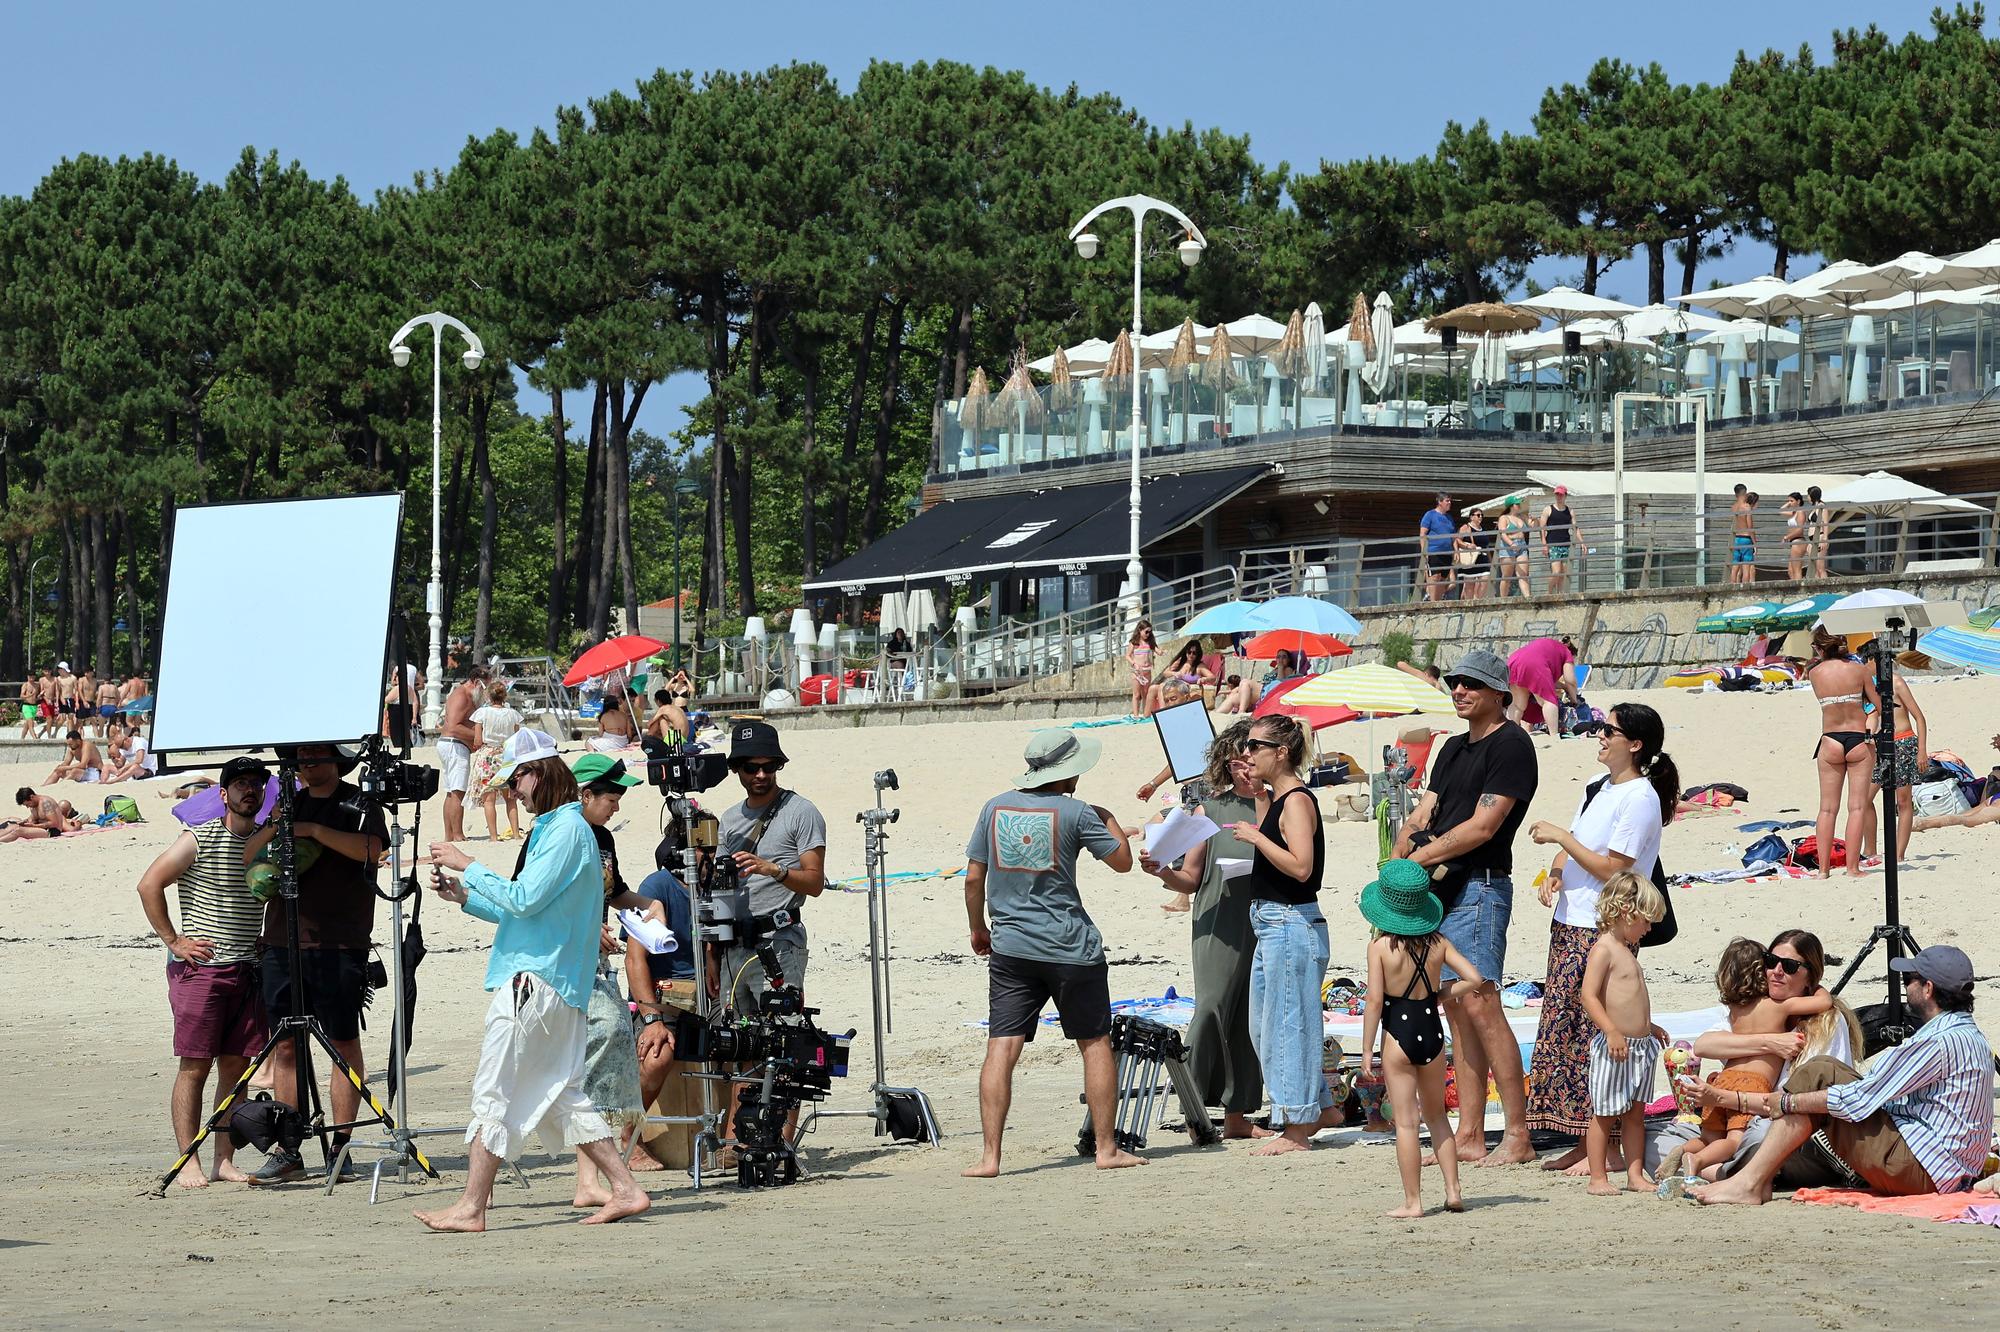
1889,1023
902,1112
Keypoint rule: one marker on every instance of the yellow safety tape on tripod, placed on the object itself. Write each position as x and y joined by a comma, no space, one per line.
383,1111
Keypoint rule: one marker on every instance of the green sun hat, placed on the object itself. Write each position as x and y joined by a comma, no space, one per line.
601,768
1400,900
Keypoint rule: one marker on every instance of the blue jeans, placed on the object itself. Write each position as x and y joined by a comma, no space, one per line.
1476,925
1286,1028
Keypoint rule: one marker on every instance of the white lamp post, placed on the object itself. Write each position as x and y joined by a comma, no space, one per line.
399,351
1190,251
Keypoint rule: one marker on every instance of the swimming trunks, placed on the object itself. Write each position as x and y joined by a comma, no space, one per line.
1558,552
1744,551
1413,1021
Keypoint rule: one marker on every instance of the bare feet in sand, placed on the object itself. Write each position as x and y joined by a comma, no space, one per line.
643,1160
1511,1151
1469,1150
1452,1204
1604,1188
227,1173
986,1169
191,1176
456,1219
596,1197
1119,1160
619,1206
1734,1192
1177,903
1278,1144
1407,1212
1237,1125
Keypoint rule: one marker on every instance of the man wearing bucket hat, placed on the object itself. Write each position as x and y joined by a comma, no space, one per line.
1462,831
1920,1120
778,839
1040,942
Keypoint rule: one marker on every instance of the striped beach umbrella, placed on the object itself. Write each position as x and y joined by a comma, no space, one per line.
1372,688
1962,645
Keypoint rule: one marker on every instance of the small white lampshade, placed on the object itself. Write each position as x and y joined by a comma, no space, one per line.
1734,350
1861,331
966,620
1355,355
829,636
1093,390
802,626
755,630
1157,378
1699,363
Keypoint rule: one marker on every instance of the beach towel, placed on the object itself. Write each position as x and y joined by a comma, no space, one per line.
1979,1214
1923,1206
1108,721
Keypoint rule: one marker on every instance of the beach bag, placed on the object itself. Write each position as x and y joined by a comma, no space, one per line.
1805,853
119,809
1770,847
1940,798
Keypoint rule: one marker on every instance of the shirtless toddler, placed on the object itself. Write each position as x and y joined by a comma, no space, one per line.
1741,979
1627,1044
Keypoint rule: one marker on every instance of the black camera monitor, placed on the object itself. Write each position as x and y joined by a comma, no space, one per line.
243,619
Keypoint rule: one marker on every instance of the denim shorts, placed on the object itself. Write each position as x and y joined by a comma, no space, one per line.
1476,925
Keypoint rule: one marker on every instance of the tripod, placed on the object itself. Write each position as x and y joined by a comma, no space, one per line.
299,1027
1147,1050
902,1112
1888,1023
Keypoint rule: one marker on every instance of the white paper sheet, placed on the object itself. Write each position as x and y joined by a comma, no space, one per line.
1179,833
652,935
1234,867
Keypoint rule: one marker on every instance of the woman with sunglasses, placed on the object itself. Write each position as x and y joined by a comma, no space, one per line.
1617,826
1793,966
1288,967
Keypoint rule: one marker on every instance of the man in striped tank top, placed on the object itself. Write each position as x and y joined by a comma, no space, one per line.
212,984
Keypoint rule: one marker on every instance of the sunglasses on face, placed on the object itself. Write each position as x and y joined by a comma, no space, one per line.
1254,744
1606,728
759,768
1789,965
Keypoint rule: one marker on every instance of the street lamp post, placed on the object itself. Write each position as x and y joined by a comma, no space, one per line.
681,487
1190,252
399,351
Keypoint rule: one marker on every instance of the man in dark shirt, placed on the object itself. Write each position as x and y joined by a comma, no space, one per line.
1463,832
336,917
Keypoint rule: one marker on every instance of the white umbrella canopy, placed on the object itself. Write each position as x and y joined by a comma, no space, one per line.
1981,266
1931,300
1764,297
1086,358
1828,279
1886,495
1315,344
1659,321
1382,327
1489,360
921,615
1592,334
892,614
1565,304
1156,349
1908,275
1254,334
1750,330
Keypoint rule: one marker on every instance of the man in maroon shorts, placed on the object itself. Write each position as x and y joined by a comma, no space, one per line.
212,986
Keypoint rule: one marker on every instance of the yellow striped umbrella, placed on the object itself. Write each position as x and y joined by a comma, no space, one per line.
1371,688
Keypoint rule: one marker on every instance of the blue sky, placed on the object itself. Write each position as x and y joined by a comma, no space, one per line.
377,92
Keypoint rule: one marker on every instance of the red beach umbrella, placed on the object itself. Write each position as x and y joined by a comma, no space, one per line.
612,654
1298,642
1313,717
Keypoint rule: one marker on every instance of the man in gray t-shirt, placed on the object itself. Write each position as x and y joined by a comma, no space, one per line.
781,867
1041,944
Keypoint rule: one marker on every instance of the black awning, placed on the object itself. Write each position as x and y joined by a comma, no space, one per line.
1036,530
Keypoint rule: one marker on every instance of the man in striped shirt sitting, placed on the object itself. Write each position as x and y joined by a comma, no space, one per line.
1919,1121
212,987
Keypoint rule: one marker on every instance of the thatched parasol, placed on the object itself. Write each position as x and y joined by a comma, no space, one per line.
1219,370
973,407
1359,328
1289,355
1119,366
1062,385
1018,402
1485,317
1185,353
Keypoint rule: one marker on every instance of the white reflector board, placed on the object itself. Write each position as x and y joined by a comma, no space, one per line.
1185,735
276,623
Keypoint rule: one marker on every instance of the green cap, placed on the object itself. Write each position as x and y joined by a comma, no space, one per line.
601,768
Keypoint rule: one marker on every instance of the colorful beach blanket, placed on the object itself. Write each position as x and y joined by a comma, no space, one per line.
901,878
1923,1206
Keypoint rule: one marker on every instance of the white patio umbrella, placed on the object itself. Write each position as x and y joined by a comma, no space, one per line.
1157,349
892,614
1382,327
1315,345
1932,300
1086,358
1660,321
1567,305
1254,334
1908,274
1886,495
1747,329
921,615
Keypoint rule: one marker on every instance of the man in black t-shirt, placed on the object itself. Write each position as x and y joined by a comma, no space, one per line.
336,918
1463,832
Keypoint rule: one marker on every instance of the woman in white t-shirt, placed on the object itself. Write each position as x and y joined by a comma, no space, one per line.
495,724
1617,827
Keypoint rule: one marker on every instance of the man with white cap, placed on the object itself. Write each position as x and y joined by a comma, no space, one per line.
1040,942
1920,1120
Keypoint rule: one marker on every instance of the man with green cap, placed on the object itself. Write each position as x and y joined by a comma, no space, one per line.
1041,944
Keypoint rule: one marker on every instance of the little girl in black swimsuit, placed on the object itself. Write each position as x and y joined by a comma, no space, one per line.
1403,997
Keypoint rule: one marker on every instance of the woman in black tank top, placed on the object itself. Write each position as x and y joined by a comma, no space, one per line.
1288,862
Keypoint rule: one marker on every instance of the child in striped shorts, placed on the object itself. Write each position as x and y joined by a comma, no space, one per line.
1627,1044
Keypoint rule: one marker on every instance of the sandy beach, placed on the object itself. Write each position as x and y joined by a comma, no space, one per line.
891,1235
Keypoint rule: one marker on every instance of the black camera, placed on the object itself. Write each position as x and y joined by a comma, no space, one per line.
390,781
792,1061
683,768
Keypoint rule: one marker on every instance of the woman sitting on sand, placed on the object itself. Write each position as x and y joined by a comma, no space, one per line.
1220,1056
1189,668
1617,827
1844,752
1793,966
614,727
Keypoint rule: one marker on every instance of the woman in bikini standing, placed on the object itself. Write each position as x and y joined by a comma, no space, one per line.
1513,552
1796,545
1819,530
1844,752
1475,556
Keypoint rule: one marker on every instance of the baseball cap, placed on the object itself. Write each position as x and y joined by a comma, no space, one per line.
1483,668
1942,965
244,766
755,739
524,746
596,767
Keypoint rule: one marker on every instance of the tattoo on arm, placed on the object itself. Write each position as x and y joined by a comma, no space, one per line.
1488,801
